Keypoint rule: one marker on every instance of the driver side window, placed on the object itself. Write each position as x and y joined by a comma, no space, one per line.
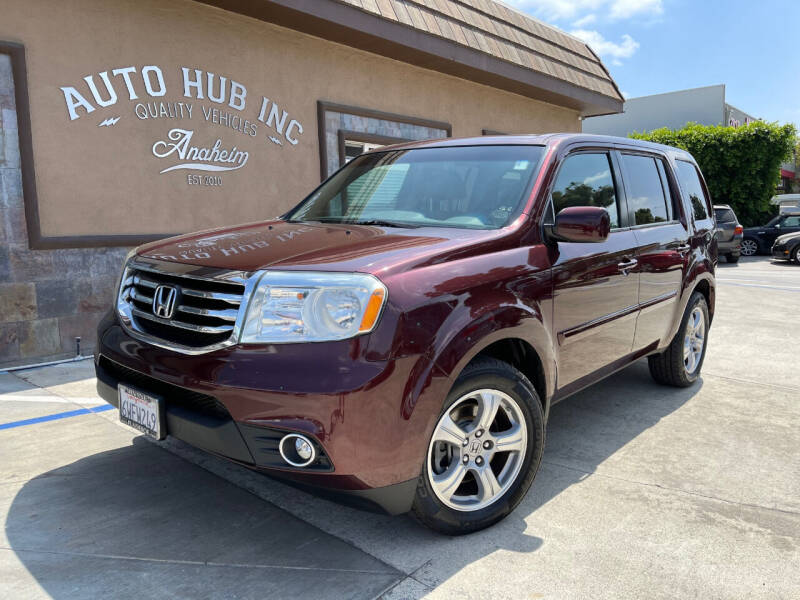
586,180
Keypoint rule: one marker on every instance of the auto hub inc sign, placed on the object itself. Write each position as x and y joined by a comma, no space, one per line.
208,123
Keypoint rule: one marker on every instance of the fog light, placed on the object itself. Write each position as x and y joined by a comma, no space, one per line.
297,450
304,449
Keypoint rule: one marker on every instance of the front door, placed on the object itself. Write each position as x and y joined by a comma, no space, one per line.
785,224
595,286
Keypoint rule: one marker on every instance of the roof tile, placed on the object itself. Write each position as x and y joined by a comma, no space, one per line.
502,32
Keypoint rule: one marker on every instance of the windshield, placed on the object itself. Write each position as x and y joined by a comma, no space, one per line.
476,187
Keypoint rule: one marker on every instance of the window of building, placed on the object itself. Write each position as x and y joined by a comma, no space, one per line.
646,198
691,184
586,180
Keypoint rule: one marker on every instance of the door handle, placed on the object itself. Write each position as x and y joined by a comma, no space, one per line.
625,266
680,248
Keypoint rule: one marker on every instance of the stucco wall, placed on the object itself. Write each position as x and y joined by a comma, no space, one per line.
110,172
97,178
47,297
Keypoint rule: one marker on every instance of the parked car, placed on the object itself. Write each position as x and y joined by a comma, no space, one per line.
729,232
399,337
759,240
787,247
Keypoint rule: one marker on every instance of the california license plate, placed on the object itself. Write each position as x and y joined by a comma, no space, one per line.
142,411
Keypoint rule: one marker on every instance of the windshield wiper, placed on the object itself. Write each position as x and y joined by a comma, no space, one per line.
383,223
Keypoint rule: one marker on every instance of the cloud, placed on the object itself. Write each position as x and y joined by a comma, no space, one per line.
584,21
583,12
606,48
627,9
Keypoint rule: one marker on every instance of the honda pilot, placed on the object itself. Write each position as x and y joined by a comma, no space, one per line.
399,338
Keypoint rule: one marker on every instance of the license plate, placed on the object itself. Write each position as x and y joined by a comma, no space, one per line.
142,411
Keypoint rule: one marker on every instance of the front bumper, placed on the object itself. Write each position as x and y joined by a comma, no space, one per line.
238,402
781,252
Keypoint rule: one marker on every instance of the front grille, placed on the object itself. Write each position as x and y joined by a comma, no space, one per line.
205,309
173,395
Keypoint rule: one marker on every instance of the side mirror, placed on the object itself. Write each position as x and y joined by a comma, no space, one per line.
587,224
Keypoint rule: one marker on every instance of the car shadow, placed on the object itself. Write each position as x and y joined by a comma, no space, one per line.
70,509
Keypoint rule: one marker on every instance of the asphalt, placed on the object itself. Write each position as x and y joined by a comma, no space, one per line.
644,492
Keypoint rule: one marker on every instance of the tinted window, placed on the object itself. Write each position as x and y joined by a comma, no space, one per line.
586,180
476,187
690,182
724,215
791,222
645,192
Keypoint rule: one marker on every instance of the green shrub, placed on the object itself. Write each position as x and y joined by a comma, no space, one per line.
741,165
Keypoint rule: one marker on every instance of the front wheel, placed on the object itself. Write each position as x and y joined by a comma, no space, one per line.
679,365
749,247
796,254
484,452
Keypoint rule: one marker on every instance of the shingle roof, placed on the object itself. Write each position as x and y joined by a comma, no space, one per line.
501,32
479,40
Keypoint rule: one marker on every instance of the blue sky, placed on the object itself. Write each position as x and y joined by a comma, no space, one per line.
655,46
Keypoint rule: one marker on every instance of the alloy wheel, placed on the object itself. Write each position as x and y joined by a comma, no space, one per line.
749,248
694,340
477,450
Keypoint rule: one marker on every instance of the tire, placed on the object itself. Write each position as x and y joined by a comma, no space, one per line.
670,367
750,247
796,254
732,258
465,506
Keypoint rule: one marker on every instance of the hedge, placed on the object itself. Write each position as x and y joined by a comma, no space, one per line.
741,165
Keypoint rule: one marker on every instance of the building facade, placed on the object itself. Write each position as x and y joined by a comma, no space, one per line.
124,121
705,105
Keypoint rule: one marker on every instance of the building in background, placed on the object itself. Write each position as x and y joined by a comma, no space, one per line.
125,121
705,105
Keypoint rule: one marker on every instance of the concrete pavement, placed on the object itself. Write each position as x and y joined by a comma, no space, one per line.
644,492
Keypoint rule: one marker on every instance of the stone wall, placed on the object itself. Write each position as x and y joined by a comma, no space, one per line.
47,297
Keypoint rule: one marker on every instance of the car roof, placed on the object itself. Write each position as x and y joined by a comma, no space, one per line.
545,139
723,206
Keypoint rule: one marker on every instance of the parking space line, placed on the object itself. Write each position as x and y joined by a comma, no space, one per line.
756,285
56,416
200,563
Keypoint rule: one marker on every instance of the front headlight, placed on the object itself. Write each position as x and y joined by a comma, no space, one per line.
297,306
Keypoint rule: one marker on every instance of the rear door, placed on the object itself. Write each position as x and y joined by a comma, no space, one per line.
662,238
596,286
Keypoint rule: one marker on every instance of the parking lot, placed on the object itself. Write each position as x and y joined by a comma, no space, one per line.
644,492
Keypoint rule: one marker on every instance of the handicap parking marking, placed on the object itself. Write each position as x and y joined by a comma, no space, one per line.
56,416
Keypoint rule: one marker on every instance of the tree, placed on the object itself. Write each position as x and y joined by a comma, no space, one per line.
741,165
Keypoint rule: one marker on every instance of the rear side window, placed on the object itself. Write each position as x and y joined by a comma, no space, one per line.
724,215
690,182
586,180
646,196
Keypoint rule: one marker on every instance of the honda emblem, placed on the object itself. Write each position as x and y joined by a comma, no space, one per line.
164,301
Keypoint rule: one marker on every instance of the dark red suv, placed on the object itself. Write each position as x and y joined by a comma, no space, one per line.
399,337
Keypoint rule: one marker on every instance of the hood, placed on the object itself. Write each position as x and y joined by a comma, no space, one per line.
782,239
317,246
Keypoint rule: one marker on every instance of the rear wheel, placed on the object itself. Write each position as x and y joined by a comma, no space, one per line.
749,247
484,452
732,258
679,365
